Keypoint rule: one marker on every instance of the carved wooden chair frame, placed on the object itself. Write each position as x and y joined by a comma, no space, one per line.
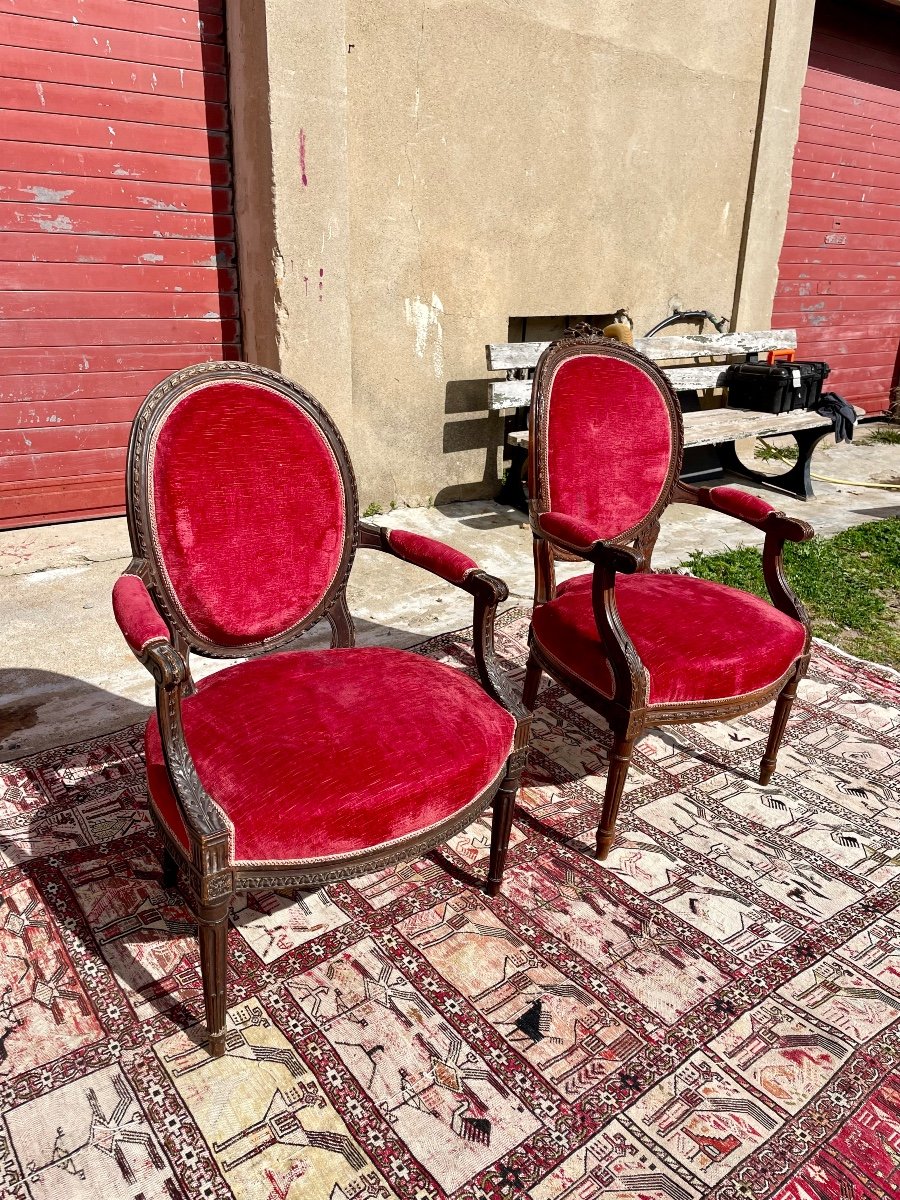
628,711
210,879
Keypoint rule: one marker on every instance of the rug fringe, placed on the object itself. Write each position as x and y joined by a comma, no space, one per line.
887,672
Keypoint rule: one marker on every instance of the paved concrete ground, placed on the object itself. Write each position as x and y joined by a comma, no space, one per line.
66,674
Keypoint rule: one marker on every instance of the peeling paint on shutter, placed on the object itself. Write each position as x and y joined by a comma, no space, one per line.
117,260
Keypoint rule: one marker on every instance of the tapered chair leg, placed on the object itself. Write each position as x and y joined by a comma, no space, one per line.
619,762
783,707
213,922
169,870
501,827
532,683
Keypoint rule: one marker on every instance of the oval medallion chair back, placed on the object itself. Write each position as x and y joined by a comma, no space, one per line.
244,505
608,439
292,768
640,647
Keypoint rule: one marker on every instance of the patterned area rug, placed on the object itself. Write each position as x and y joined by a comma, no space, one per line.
713,1012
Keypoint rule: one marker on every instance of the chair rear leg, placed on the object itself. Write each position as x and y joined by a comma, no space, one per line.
783,707
213,922
533,674
619,762
501,824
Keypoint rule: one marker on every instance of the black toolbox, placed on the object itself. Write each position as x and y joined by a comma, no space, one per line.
775,387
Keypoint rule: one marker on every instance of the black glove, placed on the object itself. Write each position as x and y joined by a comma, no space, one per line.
842,414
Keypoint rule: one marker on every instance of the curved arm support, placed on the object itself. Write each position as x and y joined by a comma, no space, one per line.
202,818
630,677
780,591
493,679
778,529
149,639
464,573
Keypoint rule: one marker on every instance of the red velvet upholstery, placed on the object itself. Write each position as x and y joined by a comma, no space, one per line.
136,614
431,554
317,753
738,504
248,509
698,640
609,442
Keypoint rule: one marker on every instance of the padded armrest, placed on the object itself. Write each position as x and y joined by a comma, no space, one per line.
754,511
735,503
431,554
574,534
136,614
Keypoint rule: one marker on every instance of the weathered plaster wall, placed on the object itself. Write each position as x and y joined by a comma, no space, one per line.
438,167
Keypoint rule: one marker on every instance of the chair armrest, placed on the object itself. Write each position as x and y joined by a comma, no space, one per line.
136,614
432,555
577,536
747,508
463,572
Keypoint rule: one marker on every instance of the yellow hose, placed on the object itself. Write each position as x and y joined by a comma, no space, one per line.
886,487
882,487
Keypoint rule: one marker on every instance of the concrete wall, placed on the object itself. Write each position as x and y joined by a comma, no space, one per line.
436,168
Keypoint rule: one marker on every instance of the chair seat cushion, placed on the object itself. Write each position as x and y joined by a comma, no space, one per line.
698,640
313,754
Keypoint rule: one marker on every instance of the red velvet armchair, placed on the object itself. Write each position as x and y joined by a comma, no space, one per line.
293,768
643,649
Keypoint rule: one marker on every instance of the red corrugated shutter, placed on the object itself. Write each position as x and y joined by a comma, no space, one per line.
839,275
117,260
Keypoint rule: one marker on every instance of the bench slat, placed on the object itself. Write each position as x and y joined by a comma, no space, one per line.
713,426
505,356
516,393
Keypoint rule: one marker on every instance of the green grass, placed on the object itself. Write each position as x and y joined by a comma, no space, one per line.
883,437
849,583
767,453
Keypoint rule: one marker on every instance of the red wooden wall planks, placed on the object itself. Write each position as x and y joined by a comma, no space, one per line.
839,274
117,261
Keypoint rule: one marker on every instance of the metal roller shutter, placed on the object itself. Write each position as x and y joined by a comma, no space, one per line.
117,260
839,275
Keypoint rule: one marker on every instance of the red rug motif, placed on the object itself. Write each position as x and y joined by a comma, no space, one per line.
712,1012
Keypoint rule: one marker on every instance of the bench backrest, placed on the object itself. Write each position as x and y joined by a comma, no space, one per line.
691,363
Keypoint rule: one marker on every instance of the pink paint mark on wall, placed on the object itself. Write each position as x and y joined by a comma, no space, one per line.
321,282
303,178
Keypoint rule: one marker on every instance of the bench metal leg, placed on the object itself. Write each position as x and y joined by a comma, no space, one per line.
796,481
513,490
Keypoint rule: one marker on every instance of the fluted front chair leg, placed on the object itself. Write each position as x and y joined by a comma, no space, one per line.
619,762
783,706
501,825
213,922
532,683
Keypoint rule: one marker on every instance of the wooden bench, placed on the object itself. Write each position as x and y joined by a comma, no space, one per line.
692,364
